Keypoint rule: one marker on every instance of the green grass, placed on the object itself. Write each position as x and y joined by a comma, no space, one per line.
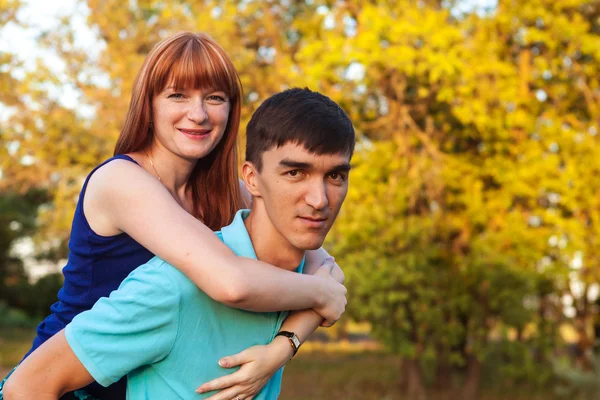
14,343
368,375
311,375
319,375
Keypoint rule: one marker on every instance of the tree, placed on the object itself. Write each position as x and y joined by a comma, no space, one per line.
459,206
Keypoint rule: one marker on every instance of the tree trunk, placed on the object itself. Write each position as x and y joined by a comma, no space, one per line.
470,387
411,380
443,370
443,377
585,344
596,346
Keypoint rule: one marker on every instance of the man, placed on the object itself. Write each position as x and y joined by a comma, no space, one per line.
164,333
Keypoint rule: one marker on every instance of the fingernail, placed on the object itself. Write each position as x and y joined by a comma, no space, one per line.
223,363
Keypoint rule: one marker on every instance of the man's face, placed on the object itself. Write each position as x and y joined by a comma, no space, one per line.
301,192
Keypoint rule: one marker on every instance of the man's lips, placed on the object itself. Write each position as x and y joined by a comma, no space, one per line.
313,222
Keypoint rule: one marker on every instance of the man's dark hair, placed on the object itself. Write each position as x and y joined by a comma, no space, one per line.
302,117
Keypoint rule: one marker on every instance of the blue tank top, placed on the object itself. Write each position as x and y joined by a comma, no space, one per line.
96,266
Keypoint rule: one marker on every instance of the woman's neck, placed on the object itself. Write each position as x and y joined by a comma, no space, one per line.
172,171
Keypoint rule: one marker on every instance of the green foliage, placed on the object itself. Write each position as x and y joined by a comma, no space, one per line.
518,365
575,383
34,299
17,219
11,318
467,216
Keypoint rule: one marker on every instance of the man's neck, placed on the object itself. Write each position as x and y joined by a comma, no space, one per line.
269,245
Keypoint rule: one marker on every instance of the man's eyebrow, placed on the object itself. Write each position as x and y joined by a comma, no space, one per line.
344,167
287,163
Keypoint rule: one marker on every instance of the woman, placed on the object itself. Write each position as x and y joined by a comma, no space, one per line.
172,181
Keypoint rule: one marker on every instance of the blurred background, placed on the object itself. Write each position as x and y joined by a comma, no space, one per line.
471,233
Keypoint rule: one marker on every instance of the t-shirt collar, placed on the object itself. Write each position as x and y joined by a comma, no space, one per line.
236,237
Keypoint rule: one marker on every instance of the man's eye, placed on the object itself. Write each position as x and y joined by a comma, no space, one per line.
293,173
336,176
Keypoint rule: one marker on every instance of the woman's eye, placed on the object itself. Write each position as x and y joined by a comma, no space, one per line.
216,97
176,96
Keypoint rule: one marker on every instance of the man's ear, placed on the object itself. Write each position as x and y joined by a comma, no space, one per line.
250,178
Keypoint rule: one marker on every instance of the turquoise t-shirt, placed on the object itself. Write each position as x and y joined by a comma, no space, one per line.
166,334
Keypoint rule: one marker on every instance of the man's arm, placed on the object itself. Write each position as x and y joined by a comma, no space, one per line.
135,326
49,372
304,322
261,363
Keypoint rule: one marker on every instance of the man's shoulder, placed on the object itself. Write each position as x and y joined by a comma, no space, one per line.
157,268
156,272
154,266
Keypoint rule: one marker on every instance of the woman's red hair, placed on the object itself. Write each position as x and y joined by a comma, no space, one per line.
191,60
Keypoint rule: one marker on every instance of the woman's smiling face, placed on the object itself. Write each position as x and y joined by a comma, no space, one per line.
190,122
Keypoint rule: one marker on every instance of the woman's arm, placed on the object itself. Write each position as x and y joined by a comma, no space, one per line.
314,261
132,201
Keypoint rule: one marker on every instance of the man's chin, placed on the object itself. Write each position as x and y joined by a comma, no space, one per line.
311,244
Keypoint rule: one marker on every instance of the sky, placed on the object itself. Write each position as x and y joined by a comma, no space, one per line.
42,15
39,16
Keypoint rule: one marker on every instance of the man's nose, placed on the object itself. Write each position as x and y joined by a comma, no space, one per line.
316,195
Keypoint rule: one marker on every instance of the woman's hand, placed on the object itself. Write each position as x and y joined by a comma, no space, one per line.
334,271
335,305
258,365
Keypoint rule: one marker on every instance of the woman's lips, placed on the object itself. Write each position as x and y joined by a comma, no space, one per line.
195,133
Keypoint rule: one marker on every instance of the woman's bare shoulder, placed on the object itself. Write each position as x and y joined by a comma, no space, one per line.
118,174
114,190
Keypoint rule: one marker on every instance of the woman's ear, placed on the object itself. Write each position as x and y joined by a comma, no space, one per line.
250,178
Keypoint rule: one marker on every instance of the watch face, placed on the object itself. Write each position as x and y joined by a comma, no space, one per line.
296,341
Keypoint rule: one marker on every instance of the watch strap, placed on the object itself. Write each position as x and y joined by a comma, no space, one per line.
293,339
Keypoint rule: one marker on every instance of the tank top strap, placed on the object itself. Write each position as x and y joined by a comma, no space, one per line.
79,207
117,157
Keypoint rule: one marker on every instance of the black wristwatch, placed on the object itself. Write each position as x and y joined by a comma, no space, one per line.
293,338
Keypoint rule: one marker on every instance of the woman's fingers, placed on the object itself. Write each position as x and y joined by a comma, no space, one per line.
327,324
237,359
220,383
229,394
255,371
337,273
